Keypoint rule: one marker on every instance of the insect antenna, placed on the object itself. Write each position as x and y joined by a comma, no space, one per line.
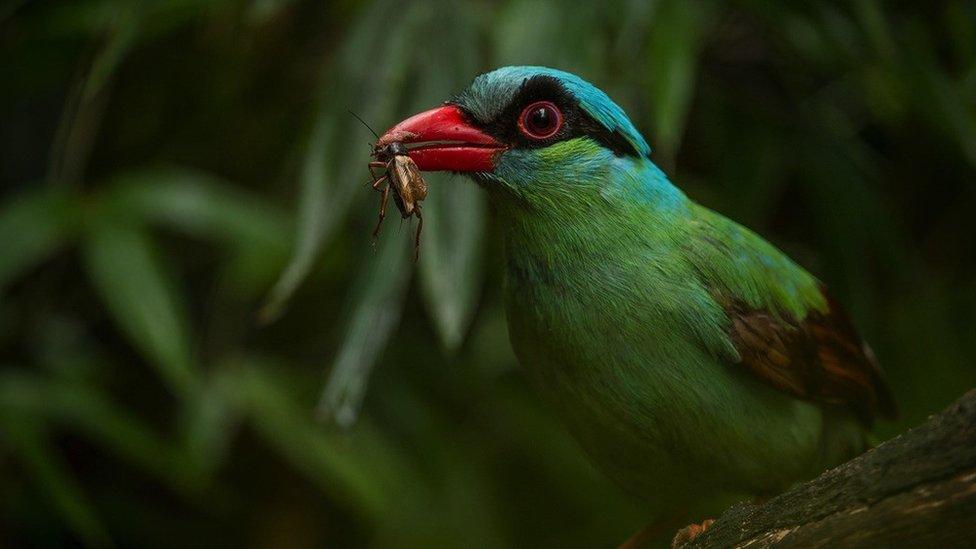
357,117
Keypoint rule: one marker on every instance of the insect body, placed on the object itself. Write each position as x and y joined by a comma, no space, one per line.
403,180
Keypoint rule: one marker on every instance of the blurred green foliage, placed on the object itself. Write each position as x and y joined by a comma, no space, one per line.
192,317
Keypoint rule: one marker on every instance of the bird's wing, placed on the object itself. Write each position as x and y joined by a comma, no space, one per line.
785,328
819,358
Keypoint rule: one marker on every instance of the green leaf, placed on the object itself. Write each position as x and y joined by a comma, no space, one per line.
81,118
123,267
375,305
451,266
871,17
326,189
32,227
200,205
376,302
678,32
941,101
315,219
344,466
122,34
455,209
208,422
547,40
90,412
29,441
206,207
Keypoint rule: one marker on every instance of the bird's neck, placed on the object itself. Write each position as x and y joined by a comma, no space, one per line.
630,203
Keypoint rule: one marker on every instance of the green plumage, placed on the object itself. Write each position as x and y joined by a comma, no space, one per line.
611,307
620,294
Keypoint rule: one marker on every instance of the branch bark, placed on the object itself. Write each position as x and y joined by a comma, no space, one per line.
916,490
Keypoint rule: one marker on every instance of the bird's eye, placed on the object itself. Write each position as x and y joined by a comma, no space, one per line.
540,120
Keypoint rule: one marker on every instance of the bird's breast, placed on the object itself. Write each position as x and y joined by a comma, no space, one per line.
608,342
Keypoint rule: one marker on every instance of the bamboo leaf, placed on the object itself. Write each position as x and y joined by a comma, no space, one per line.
88,411
208,423
676,37
29,441
872,20
32,227
341,465
315,220
450,267
125,270
544,42
942,102
198,204
86,102
517,43
329,174
455,209
375,304
206,207
377,300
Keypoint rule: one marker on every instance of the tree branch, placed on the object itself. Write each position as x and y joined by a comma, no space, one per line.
916,490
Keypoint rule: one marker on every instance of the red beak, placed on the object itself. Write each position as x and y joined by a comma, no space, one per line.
442,140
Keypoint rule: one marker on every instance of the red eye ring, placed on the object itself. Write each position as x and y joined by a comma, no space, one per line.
540,120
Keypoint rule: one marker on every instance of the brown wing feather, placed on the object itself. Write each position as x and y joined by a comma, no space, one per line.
820,358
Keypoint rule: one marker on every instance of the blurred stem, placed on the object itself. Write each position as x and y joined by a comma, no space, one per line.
87,98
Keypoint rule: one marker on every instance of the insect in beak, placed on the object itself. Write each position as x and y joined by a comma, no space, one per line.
402,180
442,139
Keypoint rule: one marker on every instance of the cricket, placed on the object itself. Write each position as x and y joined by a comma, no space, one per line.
400,177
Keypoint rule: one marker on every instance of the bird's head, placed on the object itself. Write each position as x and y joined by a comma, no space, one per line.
529,131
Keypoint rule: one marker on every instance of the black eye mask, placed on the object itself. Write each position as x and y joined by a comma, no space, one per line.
576,122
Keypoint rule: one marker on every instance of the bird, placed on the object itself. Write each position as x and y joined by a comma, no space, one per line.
691,359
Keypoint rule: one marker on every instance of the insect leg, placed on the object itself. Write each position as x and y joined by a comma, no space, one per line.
420,227
383,199
373,175
374,165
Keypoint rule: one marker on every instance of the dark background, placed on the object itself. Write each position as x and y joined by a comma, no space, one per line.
199,347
